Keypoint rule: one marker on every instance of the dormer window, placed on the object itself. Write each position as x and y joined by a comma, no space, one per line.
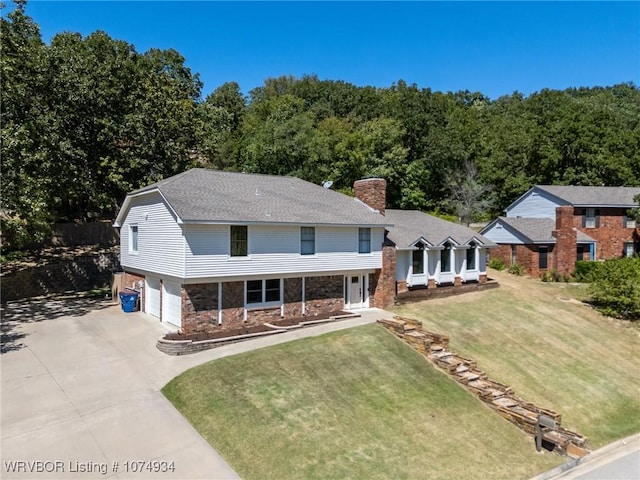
471,256
445,258
418,259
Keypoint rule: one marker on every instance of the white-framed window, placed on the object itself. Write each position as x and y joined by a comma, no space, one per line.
263,292
133,238
364,240
628,249
628,222
418,259
471,256
239,241
445,258
307,240
591,218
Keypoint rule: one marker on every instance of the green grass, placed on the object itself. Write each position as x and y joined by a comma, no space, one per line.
551,349
351,404
361,404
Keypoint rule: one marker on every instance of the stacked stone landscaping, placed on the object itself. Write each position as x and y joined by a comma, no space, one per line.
528,417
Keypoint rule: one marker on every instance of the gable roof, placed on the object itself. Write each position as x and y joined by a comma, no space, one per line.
410,226
209,196
535,230
580,196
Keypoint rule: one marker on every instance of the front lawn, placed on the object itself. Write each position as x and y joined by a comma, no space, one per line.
361,404
351,404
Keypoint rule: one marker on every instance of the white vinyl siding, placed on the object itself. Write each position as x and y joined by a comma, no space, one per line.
498,233
534,205
275,250
160,240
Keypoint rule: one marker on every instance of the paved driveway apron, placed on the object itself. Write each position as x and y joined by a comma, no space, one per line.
81,398
81,394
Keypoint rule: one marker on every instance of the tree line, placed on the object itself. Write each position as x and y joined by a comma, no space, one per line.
85,120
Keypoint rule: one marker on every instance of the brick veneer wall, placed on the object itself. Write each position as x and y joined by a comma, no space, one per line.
293,297
200,308
323,294
132,281
611,235
527,256
382,283
232,305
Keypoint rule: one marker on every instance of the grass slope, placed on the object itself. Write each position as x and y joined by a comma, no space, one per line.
551,349
351,404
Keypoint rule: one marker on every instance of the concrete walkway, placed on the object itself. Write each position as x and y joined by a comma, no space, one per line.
81,394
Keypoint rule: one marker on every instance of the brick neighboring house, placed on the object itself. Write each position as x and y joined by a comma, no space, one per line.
550,227
211,250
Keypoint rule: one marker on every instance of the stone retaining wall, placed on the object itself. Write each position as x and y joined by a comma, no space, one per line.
65,273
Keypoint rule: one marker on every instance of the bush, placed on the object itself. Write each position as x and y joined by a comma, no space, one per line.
586,271
496,264
554,276
516,269
615,289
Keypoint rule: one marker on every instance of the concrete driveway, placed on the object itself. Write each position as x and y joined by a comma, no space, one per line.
81,394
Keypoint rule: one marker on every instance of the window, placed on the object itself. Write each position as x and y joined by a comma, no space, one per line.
628,222
628,249
364,240
418,259
133,238
238,241
543,257
514,255
263,291
471,256
445,258
307,240
590,218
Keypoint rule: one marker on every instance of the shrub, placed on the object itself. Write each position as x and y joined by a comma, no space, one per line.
586,271
496,264
615,289
516,269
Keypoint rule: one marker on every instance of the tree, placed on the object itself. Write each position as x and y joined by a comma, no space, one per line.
616,289
468,196
25,210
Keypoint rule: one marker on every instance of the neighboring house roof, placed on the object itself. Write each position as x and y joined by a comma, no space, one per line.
409,226
580,196
210,196
535,230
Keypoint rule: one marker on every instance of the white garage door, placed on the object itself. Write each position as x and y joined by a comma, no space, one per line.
171,303
152,296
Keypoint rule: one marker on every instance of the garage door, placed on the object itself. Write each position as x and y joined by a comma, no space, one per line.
152,296
171,303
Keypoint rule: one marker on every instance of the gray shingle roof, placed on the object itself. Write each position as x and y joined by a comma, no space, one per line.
593,196
538,230
411,225
202,195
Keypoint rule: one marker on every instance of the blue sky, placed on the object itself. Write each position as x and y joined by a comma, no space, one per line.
492,47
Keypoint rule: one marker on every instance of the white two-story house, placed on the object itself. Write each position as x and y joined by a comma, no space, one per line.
208,247
211,250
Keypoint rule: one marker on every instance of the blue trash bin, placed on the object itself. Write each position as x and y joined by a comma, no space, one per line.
128,300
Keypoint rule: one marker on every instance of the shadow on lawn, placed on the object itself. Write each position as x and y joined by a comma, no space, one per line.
13,314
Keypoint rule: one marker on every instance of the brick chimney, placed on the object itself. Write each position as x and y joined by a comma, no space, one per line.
565,251
373,192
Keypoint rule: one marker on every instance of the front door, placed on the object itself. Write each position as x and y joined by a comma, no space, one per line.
355,292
